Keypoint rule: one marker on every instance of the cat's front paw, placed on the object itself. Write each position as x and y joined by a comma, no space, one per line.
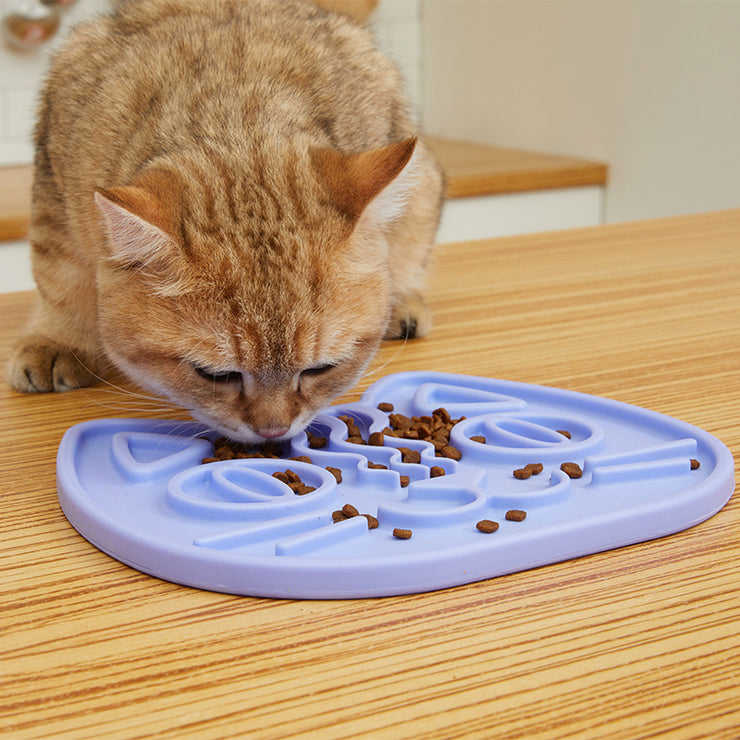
39,365
410,318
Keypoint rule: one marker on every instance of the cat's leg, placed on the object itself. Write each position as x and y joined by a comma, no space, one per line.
59,349
411,239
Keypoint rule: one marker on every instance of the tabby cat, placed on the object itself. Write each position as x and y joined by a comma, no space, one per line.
230,205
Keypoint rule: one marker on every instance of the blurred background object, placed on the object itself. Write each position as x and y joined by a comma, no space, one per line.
361,10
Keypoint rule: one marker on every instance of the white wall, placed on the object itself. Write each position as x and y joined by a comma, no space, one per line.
397,28
650,86
21,73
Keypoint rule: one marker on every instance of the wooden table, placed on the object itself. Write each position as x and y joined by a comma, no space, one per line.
639,642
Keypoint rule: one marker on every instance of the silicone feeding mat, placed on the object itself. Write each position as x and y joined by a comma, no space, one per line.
137,490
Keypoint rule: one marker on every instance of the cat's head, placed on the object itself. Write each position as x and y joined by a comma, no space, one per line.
252,299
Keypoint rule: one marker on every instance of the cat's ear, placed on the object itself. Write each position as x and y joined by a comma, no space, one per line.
138,220
382,177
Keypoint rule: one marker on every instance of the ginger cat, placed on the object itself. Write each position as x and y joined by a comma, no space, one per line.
231,205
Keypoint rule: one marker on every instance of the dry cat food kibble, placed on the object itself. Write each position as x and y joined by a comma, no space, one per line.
564,433
449,451
435,429
354,435
336,472
227,449
478,438
387,407
348,510
376,439
410,456
436,472
528,470
571,469
292,479
402,534
516,515
487,526
315,442
695,464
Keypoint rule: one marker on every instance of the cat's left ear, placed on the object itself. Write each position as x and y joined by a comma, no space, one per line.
138,223
379,180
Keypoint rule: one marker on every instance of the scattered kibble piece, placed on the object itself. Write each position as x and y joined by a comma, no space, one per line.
302,458
338,516
516,515
292,476
387,407
571,469
405,481
349,511
336,472
436,472
410,456
695,464
402,534
352,429
478,438
302,490
564,433
376,466
452,452
528,470
292,479
376,439
372,522
315,442
487,526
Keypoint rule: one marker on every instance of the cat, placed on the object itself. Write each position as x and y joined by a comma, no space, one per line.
231,205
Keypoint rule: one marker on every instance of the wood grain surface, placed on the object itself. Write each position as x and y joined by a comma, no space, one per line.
479,169
634,643
15,202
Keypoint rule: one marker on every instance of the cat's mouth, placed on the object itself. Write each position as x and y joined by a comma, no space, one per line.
244,432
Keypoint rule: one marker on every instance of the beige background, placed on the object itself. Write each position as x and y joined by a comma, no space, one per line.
651,87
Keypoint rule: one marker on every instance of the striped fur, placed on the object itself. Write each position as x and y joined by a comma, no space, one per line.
229,185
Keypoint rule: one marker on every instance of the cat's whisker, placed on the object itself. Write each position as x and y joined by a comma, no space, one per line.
371,373
113,386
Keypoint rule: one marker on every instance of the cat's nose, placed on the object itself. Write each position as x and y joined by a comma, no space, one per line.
272,432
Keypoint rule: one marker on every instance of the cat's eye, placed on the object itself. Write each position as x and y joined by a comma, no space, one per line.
318,370
217,377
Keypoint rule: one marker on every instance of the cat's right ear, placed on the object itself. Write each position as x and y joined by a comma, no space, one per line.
132,239
138,221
